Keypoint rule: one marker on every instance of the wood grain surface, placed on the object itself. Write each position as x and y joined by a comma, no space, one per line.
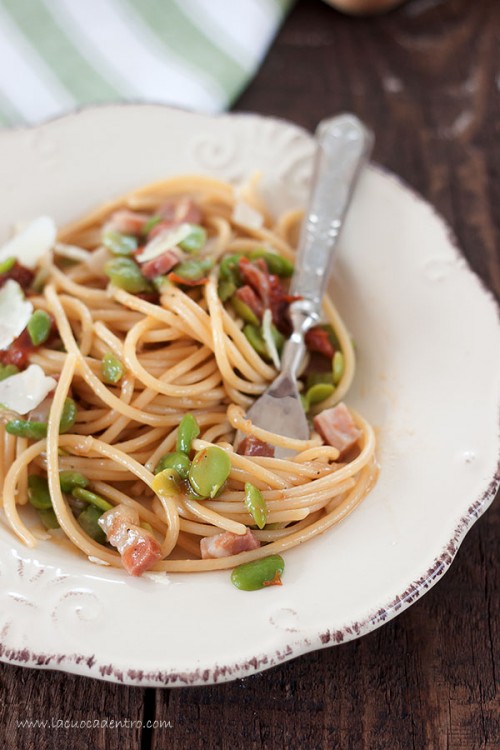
426,77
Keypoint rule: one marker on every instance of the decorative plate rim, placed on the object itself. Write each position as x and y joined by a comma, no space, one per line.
93,667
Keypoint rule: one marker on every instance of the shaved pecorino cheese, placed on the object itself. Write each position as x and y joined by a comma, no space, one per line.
15,312
26,390
31,243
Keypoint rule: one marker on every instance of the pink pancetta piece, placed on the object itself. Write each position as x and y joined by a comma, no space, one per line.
139,550
180,211
226,544
162,264
337,428
127,222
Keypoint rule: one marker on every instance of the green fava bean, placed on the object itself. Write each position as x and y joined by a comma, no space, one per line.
38,492
26,429
68,480
49,518
229,268
38,430
338,366
150,224
209,470
255,339
255,504
68,416
91,498
244,311
319,392
259,573
274,262
195,240
193,270
6,371
39,326
188,431
166,483
178,461
88,520
111,369
7,264
126,274
119,244
226,289
319,377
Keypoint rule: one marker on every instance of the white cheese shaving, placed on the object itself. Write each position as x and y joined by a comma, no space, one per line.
246,216
15,312
97,560
97,259
26,390
33,241
164,241
162,578
267,335
73,252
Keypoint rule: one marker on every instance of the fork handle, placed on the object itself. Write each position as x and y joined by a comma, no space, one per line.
344,146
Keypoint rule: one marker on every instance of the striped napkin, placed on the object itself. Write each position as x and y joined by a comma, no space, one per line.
56,55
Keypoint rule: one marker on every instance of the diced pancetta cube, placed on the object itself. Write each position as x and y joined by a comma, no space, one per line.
337,428
180,211
227,543
161,265
252,446
138,548
126,222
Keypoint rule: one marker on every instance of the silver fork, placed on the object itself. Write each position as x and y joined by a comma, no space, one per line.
344,146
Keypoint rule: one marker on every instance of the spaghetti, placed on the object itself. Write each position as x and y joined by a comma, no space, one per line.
158,309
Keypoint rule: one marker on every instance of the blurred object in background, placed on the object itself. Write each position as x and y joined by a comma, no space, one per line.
57,55
364,6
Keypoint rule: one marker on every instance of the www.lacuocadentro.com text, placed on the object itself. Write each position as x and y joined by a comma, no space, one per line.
104,723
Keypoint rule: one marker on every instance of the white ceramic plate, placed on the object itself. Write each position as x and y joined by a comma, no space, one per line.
428,377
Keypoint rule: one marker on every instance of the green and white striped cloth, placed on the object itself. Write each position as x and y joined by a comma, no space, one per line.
56,55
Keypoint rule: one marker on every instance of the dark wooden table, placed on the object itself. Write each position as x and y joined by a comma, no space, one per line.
427,79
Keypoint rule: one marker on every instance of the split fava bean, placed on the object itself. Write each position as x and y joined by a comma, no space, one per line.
165,483
68,480
91,498
244,311
39,326
178,461
259,573
255,504
187,432
119,244
38,492
7,264
226,289
88,520
193,270
228,268
49,518
319,392
275,263
126,274
38,430
209,470
150,224
6,371
338,366
195,240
